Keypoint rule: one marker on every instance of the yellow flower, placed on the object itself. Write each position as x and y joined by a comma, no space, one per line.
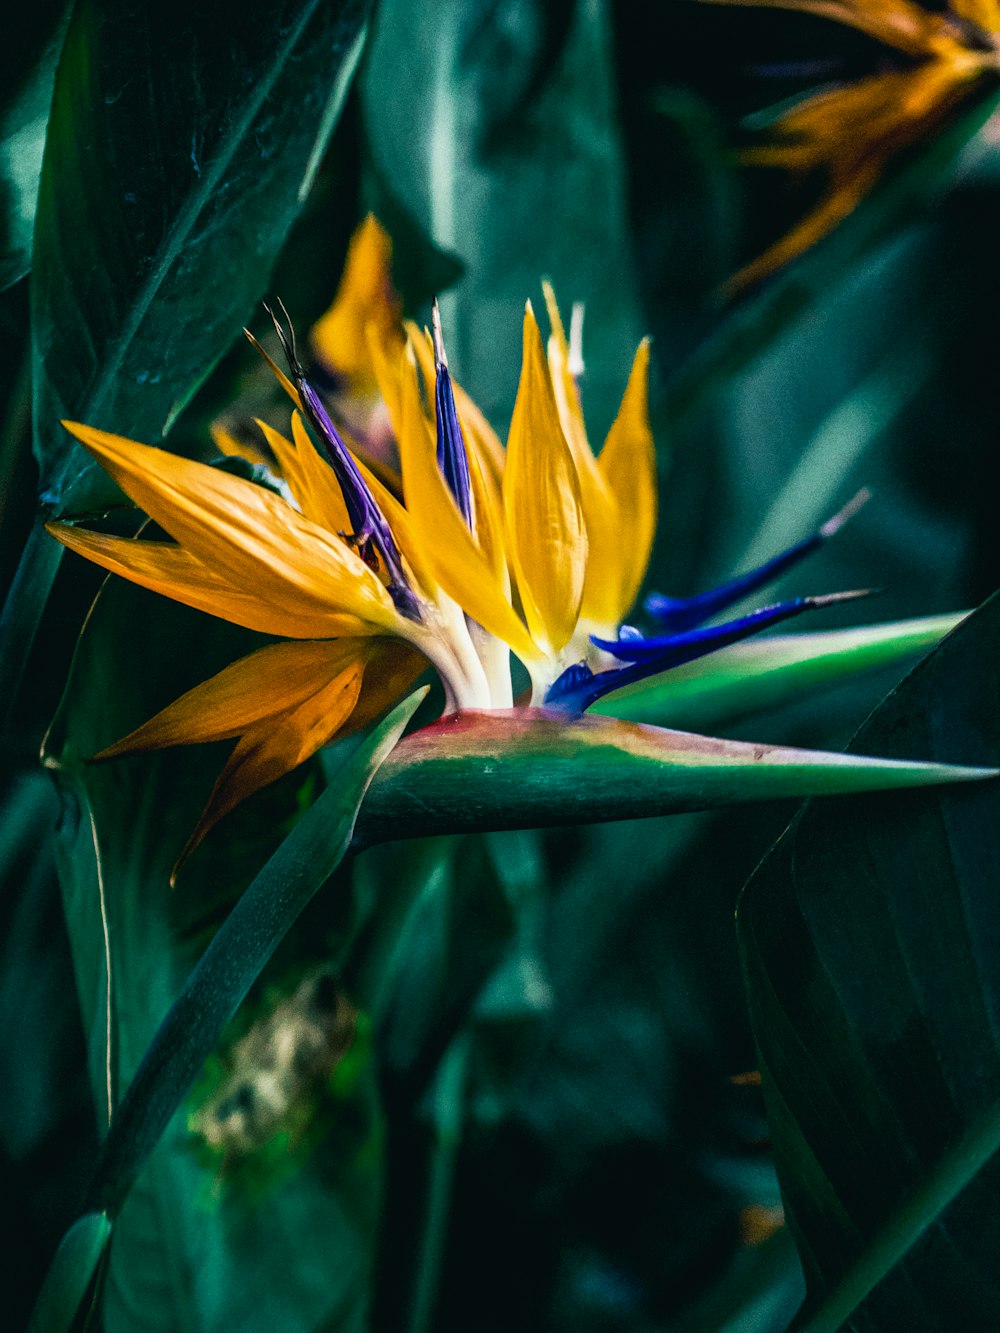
365,298
363,590
851,133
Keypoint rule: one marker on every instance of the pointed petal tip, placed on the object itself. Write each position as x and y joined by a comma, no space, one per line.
835,598
437,334
931,774
856,503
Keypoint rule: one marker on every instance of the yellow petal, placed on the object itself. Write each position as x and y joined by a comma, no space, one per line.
327,494
985,13
481,448
273,747
251,537
386,356
170,570
603,515
311,478
365,296
457,562
628,466
487,501
546,534
267,682
564,387
288,465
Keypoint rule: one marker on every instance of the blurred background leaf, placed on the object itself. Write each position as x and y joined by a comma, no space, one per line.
201,134
500,140
188,1251
867,938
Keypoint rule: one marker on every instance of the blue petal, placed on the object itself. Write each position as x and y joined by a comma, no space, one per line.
578,687
680,613
574,683
451,454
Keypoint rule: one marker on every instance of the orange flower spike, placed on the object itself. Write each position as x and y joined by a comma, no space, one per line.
339,340
853,132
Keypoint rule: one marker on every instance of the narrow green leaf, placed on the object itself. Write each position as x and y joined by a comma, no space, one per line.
764,673
232,962
527,768
151,247
868,938
70,1274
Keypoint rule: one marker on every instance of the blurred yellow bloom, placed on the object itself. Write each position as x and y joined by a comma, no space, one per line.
365,298
342,359
851,133
364,589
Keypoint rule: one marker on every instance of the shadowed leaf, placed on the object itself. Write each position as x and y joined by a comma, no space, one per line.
181,145
869,944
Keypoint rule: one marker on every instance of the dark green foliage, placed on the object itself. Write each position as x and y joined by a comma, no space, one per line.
180,148
533,1125
868,940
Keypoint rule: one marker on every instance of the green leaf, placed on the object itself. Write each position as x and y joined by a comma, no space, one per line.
869,945
200,131
181,145
71,1274
187,1250
764,673
501,142
231,963
31,50
527,768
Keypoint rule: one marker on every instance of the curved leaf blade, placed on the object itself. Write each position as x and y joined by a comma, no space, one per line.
70,1274
199,136
181,144
29,72
528,768
232,962
868,938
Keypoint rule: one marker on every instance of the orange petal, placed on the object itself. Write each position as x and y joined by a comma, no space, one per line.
393,667
259,686
273,747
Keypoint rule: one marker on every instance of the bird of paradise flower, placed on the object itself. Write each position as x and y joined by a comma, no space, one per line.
539,550
852,132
